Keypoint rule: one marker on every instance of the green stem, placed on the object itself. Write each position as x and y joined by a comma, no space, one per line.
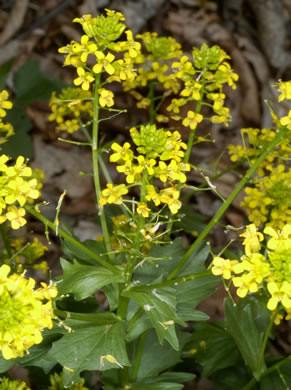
138,356
228,202
95,154
215,177
172,282
274,367
73,241
133,320
104,169
98,318
264,344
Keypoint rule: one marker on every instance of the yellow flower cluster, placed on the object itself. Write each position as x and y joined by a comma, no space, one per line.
160,157
23,313
17,187
69,107
6,129
258,139
269,271
26,254
203,85
9,384
284,88
101,40
269,202
153,66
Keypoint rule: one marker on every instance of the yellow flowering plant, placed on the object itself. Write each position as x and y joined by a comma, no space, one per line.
151,284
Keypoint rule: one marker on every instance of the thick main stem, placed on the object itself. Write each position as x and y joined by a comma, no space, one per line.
228,202
95,154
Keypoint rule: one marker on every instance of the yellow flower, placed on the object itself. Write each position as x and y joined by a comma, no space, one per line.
252,239
143,209
105,97
151,194
286,120
4,103
15,216
84,79
280,240
192,89
222,117
192,119
285,89
170,196
104,63
122,153
279,293
222,267
245,283
113,194
23,313
225,74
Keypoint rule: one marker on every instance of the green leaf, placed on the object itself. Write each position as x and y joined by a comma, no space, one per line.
215,348
195,291
167,380
195,262
235,377
186,312
68,303
141,324
20,143
156,357
190,221
31,84
74,252
4,71
84,280
160,306
157,386
90,346
164,259
279,379
112,295
6,364
240,324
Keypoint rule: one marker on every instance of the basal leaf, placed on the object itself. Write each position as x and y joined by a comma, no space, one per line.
242,327
90,346
84,280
